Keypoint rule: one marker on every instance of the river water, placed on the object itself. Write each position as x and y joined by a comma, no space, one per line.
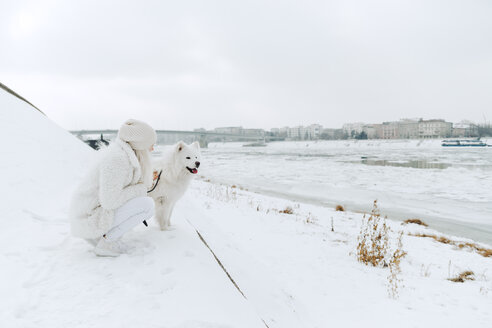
449,188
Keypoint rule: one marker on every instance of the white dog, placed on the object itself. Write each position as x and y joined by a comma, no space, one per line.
176,168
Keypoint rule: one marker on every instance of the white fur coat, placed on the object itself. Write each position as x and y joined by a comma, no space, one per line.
111,183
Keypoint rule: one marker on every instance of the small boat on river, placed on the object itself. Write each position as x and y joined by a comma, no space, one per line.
464,143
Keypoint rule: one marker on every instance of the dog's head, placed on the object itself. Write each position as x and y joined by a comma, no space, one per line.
188,157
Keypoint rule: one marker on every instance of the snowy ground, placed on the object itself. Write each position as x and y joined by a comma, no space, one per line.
297,268
293,270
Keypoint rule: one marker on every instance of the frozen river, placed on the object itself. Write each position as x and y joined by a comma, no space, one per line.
449,188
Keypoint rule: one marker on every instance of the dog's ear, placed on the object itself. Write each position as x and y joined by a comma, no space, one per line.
196,144
179,146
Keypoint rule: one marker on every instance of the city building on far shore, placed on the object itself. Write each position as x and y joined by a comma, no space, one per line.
240,131
230,130
310,132
403,129
465,129
435,129
389,130
407,128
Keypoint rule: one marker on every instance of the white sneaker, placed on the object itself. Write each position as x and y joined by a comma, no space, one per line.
107,248
122,247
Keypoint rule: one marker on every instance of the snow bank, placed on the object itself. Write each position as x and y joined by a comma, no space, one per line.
40,161
49,279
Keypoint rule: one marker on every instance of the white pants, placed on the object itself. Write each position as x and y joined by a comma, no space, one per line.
129,215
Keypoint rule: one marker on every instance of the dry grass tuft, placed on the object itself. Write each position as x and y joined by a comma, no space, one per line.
373,240
394,280
462,277
311,219
233,186
485,252
444,240
440,239
287,210
374,248
339,208
416,221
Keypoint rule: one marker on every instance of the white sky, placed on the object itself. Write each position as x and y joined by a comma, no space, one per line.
189,64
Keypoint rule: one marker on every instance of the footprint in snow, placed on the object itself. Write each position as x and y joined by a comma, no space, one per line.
161,287
46,219
139,247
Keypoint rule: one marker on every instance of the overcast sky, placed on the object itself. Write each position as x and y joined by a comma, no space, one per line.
262,64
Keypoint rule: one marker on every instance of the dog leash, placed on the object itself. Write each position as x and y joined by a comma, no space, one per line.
151,190
158,178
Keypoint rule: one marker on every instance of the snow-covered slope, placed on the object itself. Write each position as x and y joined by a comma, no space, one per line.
49,279
39,161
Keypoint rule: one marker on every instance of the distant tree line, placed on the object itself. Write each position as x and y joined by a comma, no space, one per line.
484,130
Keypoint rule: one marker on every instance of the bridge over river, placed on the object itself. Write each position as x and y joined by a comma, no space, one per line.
169,137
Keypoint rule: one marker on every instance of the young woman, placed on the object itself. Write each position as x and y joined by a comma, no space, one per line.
111,199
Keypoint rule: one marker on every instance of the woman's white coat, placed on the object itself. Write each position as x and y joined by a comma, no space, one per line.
113,181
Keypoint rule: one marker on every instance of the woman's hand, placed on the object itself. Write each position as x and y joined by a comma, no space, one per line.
156,174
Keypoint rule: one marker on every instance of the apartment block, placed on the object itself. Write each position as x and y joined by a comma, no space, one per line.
429,129
408,128
299,132
388,130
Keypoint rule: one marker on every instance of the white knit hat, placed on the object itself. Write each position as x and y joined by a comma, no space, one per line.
138,134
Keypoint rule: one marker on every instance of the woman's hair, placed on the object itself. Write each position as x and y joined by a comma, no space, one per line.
146,167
